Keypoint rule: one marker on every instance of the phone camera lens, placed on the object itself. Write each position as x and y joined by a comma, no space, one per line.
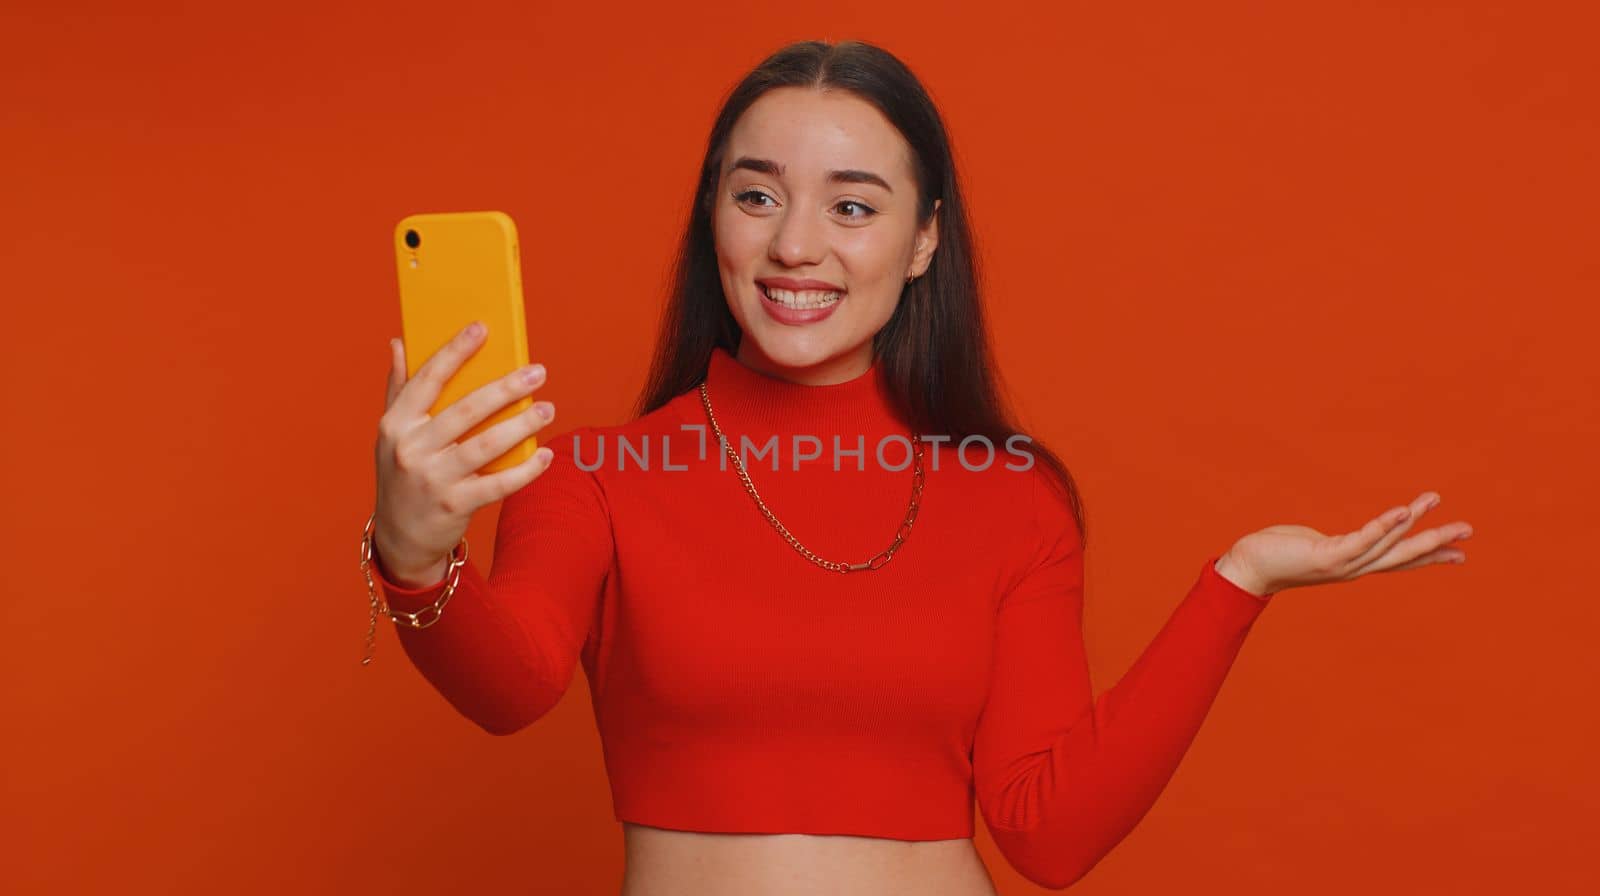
413,239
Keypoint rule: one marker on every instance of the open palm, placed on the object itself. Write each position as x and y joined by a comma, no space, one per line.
1287,556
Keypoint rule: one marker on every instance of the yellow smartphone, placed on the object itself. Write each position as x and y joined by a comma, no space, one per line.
455,268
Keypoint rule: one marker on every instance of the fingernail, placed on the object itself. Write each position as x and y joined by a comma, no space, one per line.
533,373
476,329
546,409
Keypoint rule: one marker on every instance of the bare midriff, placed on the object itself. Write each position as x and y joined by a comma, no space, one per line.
663,862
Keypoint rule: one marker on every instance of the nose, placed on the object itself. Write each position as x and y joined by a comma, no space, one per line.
799,240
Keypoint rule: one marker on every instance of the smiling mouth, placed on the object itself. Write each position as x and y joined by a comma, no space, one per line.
809,298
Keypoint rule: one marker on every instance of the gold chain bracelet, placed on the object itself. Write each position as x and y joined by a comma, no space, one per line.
458,559
881,558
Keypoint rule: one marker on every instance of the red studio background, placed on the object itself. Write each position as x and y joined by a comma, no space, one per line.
1246,263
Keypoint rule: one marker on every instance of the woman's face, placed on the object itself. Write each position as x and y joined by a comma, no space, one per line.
815,221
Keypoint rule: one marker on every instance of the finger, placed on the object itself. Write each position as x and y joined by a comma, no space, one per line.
476,406
486,489
397,372
418,394
1439,555
1351,545
1419,545
1419,506
472,454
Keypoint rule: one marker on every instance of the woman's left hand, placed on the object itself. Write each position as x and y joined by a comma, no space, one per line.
1280,557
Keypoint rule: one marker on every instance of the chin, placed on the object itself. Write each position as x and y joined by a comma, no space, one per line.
795,349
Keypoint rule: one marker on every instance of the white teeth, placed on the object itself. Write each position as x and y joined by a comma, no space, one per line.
805,299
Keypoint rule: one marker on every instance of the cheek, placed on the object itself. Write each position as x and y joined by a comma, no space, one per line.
739,239
875,266
872,261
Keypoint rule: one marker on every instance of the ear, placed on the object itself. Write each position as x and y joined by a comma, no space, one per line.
927,240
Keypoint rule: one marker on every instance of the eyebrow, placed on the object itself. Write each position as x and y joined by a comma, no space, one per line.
845,176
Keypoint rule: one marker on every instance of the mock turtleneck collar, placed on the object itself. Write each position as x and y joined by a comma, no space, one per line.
749,402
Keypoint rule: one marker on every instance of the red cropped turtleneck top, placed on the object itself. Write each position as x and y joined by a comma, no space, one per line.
739,687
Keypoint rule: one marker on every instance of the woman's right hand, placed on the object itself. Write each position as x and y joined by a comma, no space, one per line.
428,486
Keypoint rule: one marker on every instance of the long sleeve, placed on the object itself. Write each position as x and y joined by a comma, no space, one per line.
1060,776
504,648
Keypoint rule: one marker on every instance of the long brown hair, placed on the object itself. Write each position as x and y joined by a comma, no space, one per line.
935,348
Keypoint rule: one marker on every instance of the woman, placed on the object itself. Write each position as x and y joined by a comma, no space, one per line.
805,668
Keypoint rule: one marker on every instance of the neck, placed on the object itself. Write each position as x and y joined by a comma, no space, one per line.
831,371
750,402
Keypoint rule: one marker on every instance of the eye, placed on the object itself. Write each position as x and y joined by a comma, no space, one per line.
867,211
748,196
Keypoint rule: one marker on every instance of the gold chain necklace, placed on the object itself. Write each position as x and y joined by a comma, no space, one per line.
882,556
